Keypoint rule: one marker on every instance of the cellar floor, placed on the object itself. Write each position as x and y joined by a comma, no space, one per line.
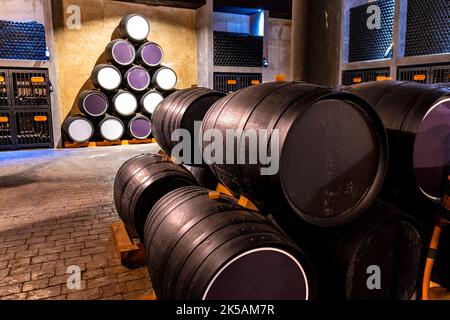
56,210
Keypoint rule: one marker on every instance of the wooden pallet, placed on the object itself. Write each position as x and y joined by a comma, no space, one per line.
151,296
242,201
95,144
132,255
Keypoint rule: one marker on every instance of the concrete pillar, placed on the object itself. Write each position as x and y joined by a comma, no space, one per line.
316,41
323,48
55,97
205,45
299,31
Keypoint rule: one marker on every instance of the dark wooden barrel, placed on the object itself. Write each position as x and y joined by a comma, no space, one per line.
111,128
137,79
213,249
204,177
332,150
139,127
150,55
140,183
384,242
150,101
135,28
124,103
120,52
164,79
180,111
78,128
417,117
106,77
93,103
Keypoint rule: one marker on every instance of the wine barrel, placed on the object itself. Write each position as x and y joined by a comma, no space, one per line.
417,117
93,103
78,128
124,103
332,150
213,249
134,27
140,183
140,127
204,177
137,79
180,111
111,128
164,79
106,77
121,53
150,101
379,256
150,55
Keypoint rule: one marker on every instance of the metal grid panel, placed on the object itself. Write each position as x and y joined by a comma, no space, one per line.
428,27
440,74
6,130
376,75
357,76
415,74
232,82
30,88
33,129
238,49
352,77
22,41
371,43
4,101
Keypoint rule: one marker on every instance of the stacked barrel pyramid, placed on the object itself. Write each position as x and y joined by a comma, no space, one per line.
127,89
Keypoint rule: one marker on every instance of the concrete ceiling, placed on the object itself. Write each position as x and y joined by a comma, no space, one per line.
278,8
190,4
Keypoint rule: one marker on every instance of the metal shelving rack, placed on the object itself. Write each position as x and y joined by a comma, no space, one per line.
25,109
436,65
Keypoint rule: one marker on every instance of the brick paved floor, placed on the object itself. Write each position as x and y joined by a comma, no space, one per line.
56,209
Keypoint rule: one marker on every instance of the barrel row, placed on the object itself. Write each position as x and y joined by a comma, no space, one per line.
136,79
204,247
333,146
110,128
96,104
339,133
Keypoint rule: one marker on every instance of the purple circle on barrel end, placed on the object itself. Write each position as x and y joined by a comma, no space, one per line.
138,78
152,54
95,104
124,53
432,150
141,128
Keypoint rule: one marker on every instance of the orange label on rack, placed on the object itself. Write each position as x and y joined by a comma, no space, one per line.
419,77
232,81
2,79
4,119
40,118
357,80
255,82
383,78
37,79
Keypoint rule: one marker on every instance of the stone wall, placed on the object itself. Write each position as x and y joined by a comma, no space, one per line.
22,10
